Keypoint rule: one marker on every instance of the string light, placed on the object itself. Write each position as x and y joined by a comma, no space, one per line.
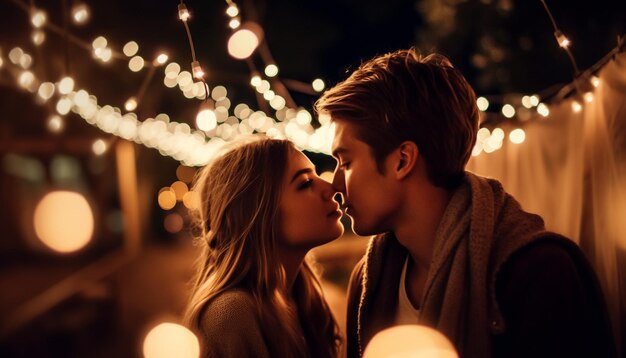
80,13
183,13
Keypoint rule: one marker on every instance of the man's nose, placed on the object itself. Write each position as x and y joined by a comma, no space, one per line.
338,182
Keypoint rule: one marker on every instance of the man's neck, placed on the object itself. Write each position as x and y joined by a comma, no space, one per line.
418,221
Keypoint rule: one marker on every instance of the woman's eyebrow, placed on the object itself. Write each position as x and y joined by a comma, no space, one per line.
300,172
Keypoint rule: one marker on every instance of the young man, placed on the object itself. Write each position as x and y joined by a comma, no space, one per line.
453,250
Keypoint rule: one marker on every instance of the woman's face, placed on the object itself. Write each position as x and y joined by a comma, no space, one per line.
309,216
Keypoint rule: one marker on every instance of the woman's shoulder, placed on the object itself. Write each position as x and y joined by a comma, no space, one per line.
230,305
231,328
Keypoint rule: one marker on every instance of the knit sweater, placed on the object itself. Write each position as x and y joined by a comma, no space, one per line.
231,327
482,231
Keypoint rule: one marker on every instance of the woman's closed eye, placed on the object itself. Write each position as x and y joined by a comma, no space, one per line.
305,184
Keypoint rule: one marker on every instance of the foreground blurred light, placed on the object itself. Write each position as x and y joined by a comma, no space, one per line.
588,96
80,13
318,85
534,100
576,106
26,79
64,221
595,81
242,43
410,341
170,340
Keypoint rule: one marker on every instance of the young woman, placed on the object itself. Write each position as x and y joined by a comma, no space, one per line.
262,209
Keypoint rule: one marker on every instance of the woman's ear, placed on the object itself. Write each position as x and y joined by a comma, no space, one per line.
407,154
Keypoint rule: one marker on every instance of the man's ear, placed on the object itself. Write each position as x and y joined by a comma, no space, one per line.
406,154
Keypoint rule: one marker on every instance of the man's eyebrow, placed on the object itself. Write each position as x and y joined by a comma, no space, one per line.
300,172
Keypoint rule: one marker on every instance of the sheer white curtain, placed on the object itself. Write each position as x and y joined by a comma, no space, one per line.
571,169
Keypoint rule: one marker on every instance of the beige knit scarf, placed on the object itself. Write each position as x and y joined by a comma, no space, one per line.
480,228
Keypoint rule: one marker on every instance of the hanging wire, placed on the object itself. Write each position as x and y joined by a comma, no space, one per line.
183,14
561,39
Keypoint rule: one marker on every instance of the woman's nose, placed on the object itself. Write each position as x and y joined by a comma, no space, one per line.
327,190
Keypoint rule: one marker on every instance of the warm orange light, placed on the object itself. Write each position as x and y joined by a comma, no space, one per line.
410,341
64,221
170,340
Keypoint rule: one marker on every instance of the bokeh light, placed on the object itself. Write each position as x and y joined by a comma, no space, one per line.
170,340
242,43
410,341
64,221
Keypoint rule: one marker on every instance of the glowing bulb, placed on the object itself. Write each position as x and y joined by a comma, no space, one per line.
482,103
206,120
99,42
55,124
38,37
162,58
517,136
271,70
561,39
588,97
576,106
99,147
244,42
595,81
508,111
136,63
80,13
526,102
318,85
130,49
38,19
534,100
255,80
46,90
63,106
198,73
26,79
183,13
131,104
234,23
232,10
543,110
66,85
64,221
166,198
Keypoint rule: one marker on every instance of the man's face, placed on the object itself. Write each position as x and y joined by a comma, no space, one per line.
369,197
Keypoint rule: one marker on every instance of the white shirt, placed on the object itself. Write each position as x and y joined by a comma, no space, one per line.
405,313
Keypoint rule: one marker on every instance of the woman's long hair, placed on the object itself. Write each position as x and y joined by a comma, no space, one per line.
237,218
